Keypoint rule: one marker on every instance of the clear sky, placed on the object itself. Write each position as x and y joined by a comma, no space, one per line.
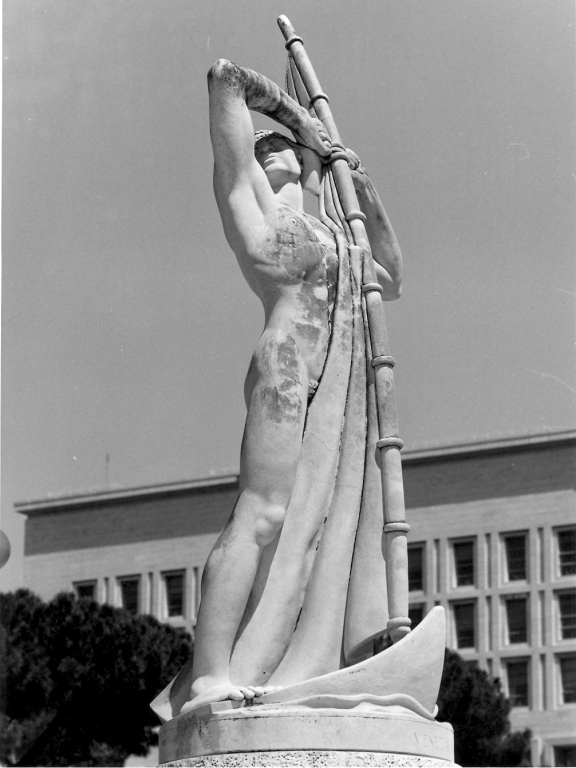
127,327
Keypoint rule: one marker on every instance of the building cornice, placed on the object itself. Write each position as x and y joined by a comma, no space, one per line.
499,445
98,498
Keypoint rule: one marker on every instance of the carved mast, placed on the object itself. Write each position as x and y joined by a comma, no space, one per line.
389,444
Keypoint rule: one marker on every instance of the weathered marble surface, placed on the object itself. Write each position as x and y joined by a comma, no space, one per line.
311,759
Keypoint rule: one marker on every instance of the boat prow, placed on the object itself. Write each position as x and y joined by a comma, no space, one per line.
412,667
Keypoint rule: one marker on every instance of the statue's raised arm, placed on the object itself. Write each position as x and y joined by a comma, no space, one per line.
383,242
240,184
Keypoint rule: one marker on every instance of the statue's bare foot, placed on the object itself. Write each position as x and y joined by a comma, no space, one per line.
207,690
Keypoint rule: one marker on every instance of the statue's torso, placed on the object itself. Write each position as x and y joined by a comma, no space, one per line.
294,272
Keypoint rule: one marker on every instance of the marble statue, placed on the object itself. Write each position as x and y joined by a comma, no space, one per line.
290,260
294,593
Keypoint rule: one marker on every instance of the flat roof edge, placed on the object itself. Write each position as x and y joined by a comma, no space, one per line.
98,497
491,446
408,456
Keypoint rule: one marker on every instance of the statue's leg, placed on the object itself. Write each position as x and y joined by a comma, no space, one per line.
277,393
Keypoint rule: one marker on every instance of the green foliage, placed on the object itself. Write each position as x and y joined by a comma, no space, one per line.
477,709
78,679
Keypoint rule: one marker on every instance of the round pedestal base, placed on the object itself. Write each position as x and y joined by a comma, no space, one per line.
284,735
310,759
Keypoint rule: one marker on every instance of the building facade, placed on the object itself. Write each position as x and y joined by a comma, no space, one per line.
493,540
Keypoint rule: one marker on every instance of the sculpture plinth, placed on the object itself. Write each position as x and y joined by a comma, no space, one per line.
376,712
368,734
274,735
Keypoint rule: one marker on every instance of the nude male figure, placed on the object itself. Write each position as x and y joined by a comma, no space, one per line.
289,260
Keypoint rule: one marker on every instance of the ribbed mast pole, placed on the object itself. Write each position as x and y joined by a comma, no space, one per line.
389,444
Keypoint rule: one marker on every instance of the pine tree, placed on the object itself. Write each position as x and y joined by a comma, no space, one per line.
78,679
477,709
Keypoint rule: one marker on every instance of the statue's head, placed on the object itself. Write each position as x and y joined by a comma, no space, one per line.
284,159
279,156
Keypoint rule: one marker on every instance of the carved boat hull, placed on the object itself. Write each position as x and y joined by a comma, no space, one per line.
406,674
412,667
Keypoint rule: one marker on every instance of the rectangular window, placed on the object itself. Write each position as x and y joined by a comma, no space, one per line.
464,621
540,541
543,675
565,756
85,589
197,590
567,552
567,609
436,565
174,593
515,547
517,619
517,674
464,563
568,679
542,617
416,567
129,594
489,622
149,607
415,614
488,559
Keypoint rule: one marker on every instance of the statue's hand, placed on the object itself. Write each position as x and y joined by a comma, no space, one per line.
312,134
359,175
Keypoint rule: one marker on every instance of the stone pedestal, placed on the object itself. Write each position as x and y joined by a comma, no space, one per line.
313,758
220,735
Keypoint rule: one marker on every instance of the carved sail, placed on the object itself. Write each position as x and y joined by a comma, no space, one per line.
407,674
341,205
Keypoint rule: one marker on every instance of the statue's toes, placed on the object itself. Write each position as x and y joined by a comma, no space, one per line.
211,695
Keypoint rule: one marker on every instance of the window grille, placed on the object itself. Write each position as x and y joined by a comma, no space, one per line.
568,679
416,568
174,586
129,594
464,619
517,673
464,563
565,756
515,557
85,590
567,552
567,606
517,620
